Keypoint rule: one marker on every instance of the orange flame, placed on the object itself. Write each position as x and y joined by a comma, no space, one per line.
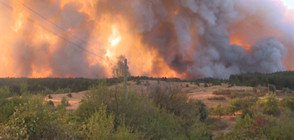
110,38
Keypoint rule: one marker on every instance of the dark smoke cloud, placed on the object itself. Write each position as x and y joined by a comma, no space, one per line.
68,59
193,36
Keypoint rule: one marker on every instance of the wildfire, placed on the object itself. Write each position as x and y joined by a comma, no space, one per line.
115,37
68,38
237,41
39,73
18,22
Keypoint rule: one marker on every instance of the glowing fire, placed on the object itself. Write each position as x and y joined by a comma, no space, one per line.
35,43
237,41
18,22
115,37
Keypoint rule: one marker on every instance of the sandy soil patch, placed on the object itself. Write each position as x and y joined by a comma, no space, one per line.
74,101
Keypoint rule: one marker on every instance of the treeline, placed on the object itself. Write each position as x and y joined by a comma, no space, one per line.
134,78
280,80
15,85
49,85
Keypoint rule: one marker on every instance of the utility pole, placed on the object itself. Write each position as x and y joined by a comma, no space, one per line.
125,79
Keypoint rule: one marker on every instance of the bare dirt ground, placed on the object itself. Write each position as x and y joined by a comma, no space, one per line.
74,101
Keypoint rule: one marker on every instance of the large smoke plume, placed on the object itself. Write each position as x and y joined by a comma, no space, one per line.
184,38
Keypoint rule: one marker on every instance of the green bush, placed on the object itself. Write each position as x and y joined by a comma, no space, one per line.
33,120
99,125
217,98
5,92
272,88
176,102
51,103
245,105
69,95
215,124
270,104
64,102
102,126
219,110
288,103
262,126
7,107
143,116
287,90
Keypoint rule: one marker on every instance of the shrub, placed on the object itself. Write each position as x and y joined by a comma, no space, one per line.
99,125
262,126
206,85
138,82
50,103
197,83
245,104
143,116
69,95
222,92
287,90
5,92
33,120
272,88
176,102
7,107
270,104
215,124
288,103
217,98
64,102
219,110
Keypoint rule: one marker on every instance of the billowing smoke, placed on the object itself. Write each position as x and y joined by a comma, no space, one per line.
183,38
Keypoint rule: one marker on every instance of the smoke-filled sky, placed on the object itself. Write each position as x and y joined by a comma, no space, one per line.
288,3
161,38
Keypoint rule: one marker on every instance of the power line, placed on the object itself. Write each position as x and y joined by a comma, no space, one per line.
56,34
45,19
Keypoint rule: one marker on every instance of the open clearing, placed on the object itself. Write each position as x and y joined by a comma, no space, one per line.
193,91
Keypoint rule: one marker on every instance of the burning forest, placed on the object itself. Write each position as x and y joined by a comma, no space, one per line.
160,38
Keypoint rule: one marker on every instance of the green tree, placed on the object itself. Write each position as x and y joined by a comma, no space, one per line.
118,70
7,107
100,125
270,104
33,120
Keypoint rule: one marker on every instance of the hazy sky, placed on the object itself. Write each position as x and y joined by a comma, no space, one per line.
289,3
